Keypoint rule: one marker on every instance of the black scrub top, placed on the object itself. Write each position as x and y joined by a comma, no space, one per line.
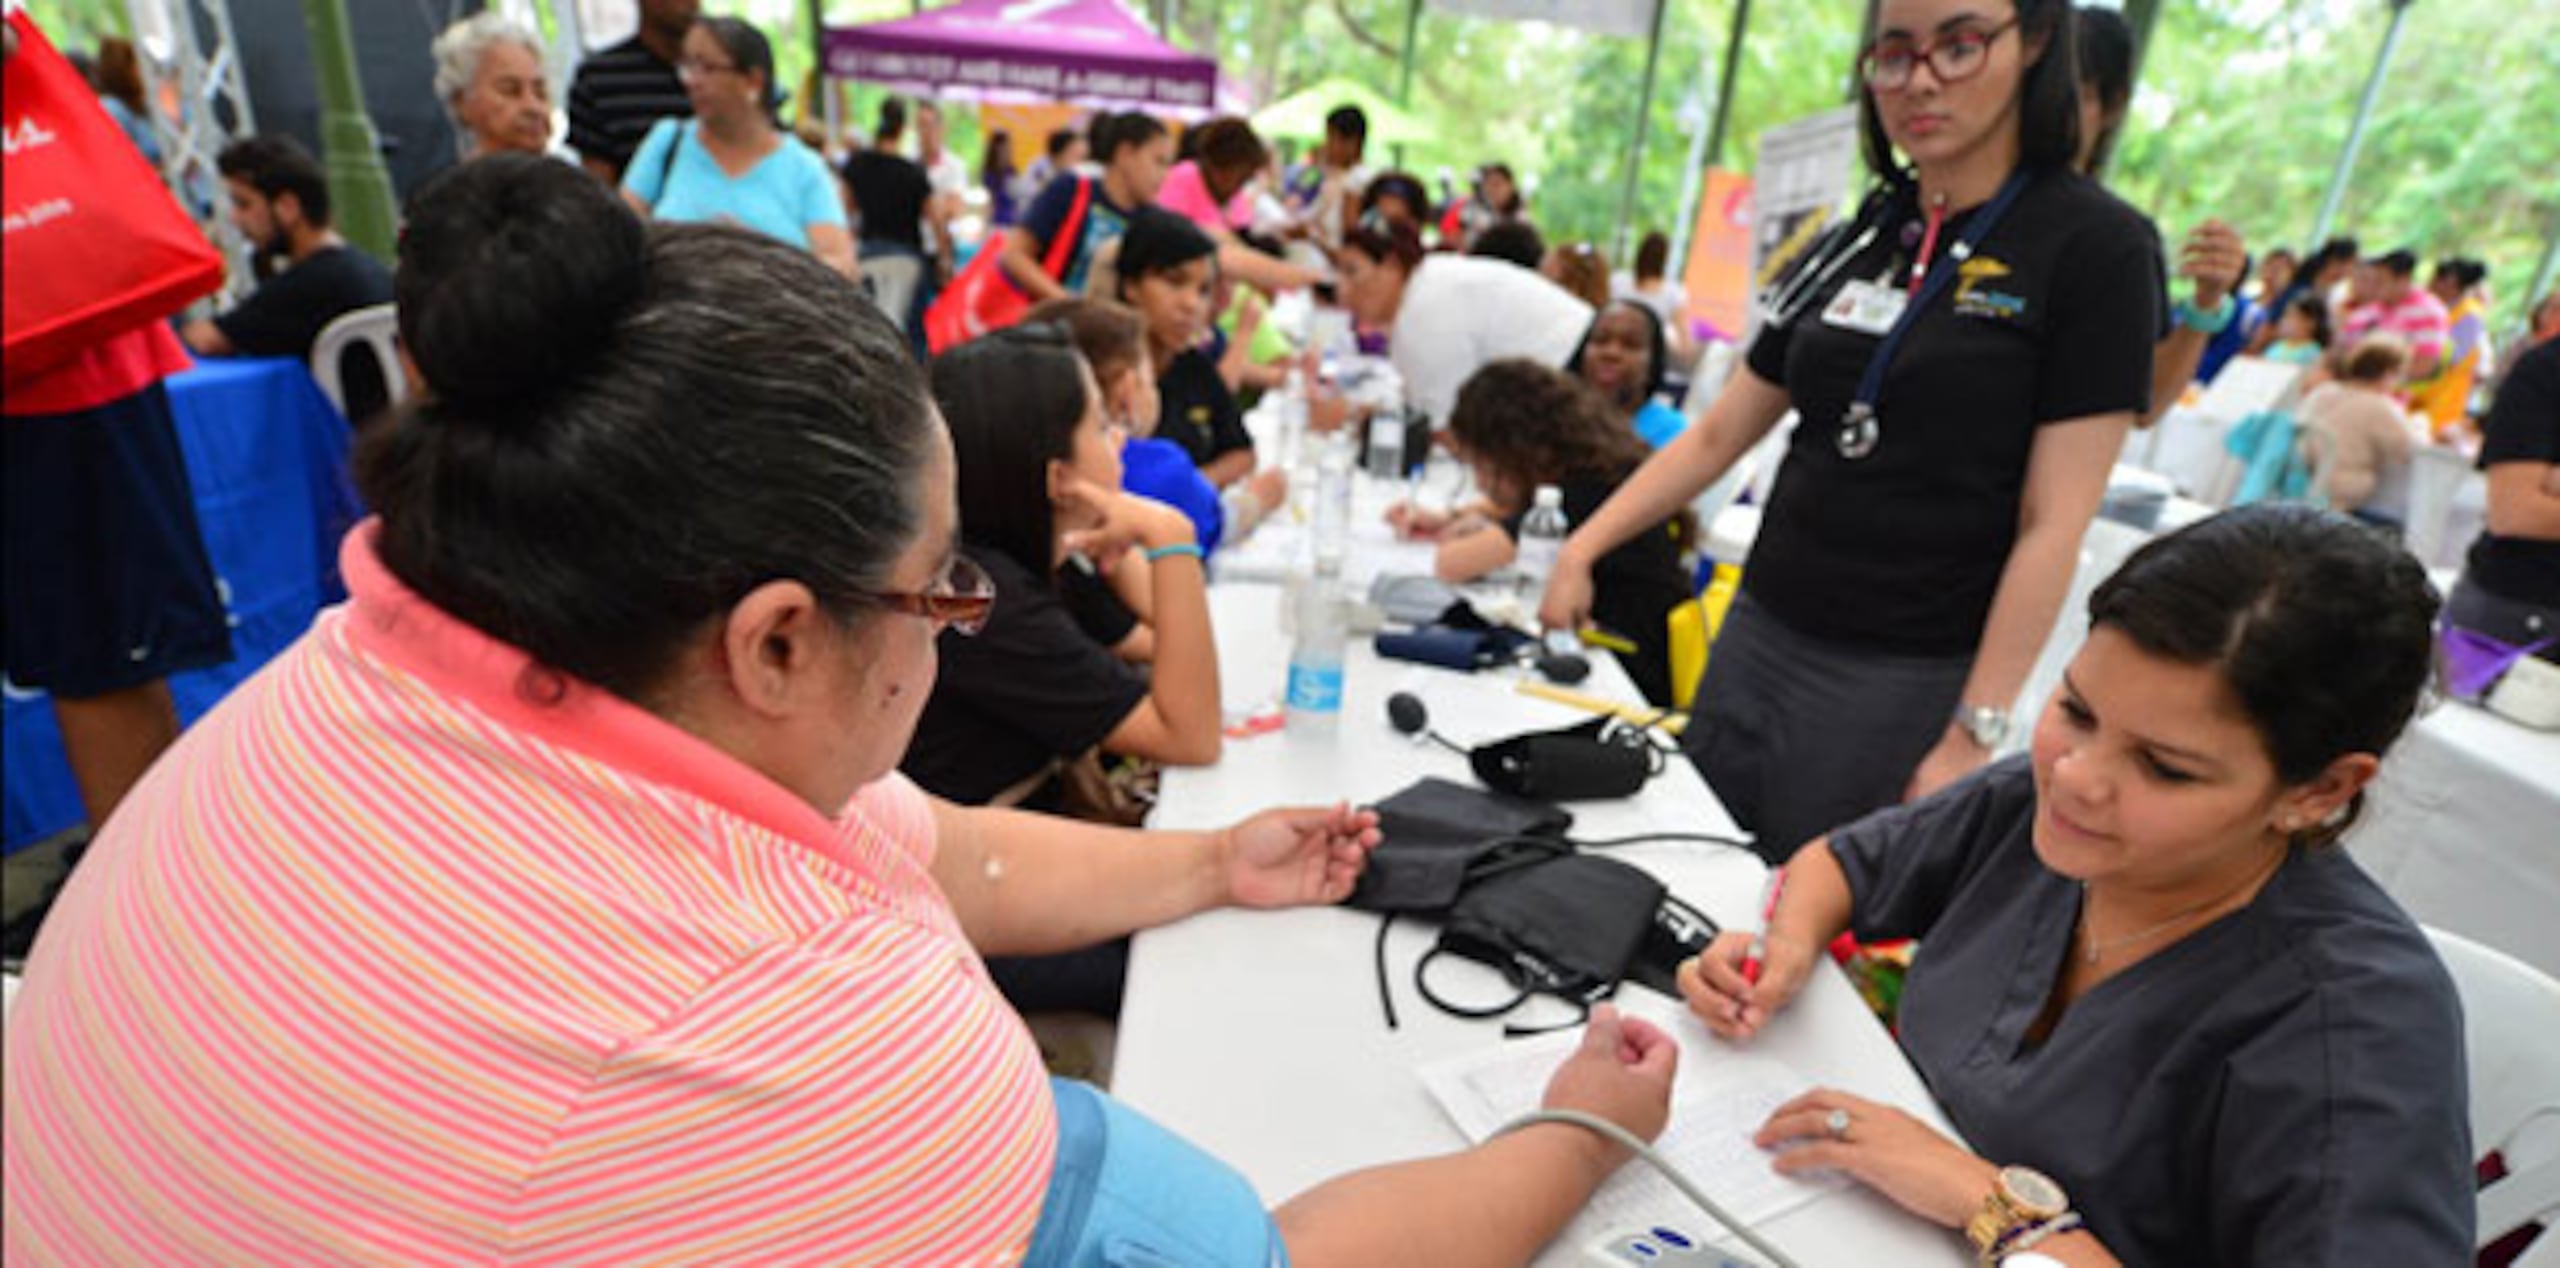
2052,318
2523,426
1199,413
2283,1086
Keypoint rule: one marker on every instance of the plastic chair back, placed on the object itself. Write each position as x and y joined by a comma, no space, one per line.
377,330
2511,1033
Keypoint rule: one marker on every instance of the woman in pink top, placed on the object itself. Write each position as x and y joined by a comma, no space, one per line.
556,899
2354,433
1208,189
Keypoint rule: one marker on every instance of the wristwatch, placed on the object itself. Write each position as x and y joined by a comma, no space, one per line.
1987,726
2209,321
2021,1197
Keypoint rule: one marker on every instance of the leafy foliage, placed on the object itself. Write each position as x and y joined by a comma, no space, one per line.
2242,110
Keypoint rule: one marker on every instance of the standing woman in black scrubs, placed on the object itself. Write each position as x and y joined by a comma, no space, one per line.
1966,354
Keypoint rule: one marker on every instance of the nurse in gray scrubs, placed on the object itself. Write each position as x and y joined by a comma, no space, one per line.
2175,1020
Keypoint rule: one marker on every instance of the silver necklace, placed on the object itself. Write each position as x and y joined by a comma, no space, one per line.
2091,948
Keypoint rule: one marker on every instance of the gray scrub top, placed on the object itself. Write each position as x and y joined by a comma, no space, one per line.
2282,1086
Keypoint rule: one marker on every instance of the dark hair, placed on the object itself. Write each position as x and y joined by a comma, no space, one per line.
1584,273
893,119
1399,185
2335,251
628,427
1059,140
1399,245
1349,122
998,163
1157,241
1228,144
119,75
1012,400
1653,255
2311,304
753,53
1534,424
2466,273
2400,263
1111,335
1514,240
1113,132
2048,98
2323,630
2106,67
2373,359
1659,343
1504,170
275,165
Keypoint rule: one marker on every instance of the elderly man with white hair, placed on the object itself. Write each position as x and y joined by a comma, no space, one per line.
489,75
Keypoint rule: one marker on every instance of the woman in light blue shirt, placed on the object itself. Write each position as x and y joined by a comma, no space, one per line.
731,162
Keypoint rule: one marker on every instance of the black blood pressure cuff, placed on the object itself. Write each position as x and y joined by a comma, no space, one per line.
1599,758
1567,926
1431,834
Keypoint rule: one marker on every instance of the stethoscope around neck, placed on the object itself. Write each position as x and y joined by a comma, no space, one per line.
1859,428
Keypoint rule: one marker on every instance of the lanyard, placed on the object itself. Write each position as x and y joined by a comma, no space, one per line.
1859,429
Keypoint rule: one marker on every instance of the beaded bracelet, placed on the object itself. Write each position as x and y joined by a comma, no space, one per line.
1192,549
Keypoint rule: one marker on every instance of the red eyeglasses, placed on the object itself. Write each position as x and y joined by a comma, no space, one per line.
1954,57
960,598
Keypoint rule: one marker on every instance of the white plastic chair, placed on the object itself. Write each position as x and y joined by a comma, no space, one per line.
2511,1030
2435,476
378,330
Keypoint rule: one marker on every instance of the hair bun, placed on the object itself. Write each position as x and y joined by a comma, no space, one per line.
514,272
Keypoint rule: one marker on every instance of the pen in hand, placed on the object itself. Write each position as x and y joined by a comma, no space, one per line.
1768,911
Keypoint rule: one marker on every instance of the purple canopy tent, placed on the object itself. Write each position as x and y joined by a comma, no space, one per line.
1082,52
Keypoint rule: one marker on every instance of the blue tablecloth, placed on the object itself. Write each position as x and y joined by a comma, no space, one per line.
267,455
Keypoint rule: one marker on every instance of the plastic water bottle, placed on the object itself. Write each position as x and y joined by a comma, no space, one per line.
1333,500
1386,444
1542,535
1297,447
1315,654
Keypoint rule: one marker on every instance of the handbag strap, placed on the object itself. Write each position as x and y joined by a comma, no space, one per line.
1070,231
667,167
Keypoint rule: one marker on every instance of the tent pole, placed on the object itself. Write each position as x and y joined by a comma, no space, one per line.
1724,80
2364,115
824,108
1708,146
350,149
1644,123
1404,69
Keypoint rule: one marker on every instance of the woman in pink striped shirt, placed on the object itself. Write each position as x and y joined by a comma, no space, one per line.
556,899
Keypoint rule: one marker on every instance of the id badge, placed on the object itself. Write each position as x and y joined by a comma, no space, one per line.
1865,307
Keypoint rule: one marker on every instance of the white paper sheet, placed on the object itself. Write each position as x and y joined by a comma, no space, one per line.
1719,1098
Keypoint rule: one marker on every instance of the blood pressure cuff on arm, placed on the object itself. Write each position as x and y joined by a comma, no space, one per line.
1126,1193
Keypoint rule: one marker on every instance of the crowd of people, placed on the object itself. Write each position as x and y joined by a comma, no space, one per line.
747,703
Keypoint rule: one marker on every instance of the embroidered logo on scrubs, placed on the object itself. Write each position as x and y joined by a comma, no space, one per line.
1972,299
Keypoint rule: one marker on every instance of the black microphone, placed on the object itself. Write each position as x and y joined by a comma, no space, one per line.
1405,712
